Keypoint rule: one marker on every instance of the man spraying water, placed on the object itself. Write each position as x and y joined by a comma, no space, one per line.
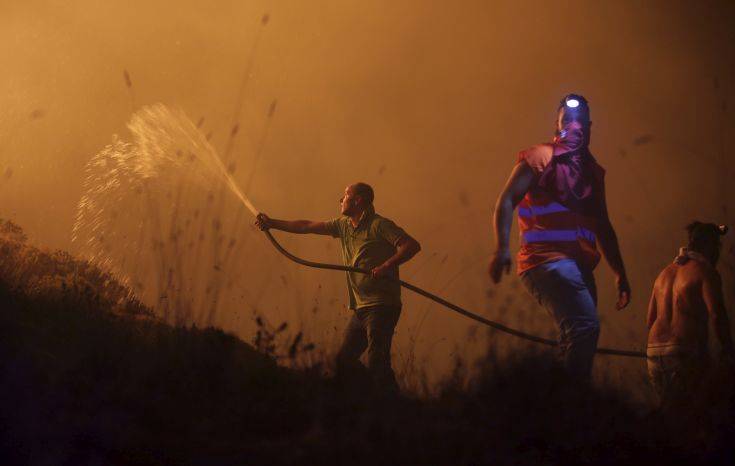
562,218
371,242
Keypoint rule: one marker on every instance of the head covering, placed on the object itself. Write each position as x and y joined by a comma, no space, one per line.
573,177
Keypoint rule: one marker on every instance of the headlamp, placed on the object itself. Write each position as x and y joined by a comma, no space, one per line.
572,103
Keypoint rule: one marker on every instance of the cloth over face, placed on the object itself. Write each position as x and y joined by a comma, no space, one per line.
573,176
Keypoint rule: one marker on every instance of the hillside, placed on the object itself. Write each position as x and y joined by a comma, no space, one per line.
88,375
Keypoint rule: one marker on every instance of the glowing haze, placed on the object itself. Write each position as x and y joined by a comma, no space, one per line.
428,101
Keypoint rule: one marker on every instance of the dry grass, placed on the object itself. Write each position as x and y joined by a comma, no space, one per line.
87,375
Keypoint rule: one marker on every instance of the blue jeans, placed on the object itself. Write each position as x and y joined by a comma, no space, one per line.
569,295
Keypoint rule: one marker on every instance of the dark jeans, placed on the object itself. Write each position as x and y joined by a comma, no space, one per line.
569,295
676,373
370,329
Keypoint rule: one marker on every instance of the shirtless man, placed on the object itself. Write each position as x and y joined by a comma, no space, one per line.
686,298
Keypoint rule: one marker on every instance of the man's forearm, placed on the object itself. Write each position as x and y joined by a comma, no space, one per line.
404,253
502,221
721,325
611,250
718,321
291,226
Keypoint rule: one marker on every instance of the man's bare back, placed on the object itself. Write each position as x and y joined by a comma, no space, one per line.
686,301
677,312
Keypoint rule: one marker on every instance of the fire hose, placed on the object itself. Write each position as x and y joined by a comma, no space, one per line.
443,302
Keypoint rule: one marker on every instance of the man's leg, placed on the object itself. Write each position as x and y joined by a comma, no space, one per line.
656,373
570,297
687,371
381,323
353,345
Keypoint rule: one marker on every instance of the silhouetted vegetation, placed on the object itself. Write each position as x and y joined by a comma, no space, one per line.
89,376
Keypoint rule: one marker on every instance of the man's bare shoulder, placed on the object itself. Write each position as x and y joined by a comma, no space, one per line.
702,269
544,150
692,272
668,272
537,157
666,276
542,147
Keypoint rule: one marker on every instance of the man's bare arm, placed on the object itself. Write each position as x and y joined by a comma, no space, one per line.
608,241
516,187
292,226
712,294
406,248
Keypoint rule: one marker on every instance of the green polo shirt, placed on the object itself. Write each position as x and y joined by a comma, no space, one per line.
366,246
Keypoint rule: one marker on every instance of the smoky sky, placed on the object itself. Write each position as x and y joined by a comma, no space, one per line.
428,101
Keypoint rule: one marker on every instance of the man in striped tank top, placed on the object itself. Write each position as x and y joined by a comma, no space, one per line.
559,190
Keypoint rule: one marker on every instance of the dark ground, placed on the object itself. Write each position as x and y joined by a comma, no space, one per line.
89,376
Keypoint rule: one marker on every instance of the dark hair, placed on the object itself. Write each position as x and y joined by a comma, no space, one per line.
582,112
365,191
703,234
